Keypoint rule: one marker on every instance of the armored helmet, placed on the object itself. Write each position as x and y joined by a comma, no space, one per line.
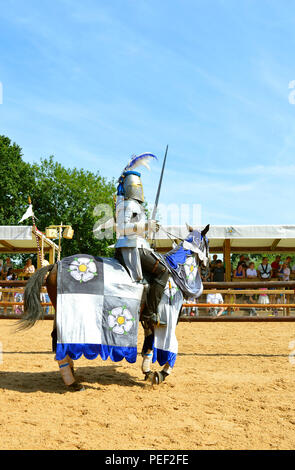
131,186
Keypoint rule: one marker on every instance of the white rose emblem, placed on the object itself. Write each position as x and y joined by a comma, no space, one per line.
83,269
190,268
120,320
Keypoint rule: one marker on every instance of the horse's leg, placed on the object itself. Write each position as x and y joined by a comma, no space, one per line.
147,353
66,365
66,371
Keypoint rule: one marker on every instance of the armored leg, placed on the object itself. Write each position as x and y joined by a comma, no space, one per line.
158,276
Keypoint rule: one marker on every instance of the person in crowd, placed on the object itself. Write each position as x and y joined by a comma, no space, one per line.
191,311
1,267
7,265
217,299
264,270
263,298
29,269
213,263
218,273
276,266
11,276
284,272
252,300
8,296
242,261
205,273
251,272
239,273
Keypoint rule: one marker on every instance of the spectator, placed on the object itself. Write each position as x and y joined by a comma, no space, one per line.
7,265
288,261
29,269
218,272
213,263
7,297
192,311
215,298
284,273
252,300
242,262
264,270
11,276
263,298
251,272
275,265
239,272
205,273
1,266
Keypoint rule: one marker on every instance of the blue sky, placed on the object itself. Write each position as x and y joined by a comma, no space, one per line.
94,82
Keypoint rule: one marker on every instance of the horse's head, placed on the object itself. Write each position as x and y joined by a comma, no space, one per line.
198,243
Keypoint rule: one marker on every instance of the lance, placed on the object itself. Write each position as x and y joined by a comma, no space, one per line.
158,192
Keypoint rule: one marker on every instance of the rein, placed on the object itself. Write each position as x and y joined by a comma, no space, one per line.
172,237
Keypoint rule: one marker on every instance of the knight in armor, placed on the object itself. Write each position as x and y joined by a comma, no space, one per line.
132,249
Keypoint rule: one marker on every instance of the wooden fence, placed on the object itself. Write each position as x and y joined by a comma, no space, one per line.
8,290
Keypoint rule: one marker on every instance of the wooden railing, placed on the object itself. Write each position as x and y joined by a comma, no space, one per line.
8,289
286,289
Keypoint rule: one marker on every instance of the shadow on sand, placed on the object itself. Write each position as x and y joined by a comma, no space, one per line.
51,382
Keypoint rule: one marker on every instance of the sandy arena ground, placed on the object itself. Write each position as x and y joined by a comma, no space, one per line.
232,388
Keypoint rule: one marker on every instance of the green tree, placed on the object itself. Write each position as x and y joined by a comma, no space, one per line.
70,196
16,181
58,195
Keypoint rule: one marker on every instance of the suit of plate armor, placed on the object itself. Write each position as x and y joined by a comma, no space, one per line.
132,248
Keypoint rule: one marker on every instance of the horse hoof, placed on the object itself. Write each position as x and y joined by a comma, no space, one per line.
76,387
147,375
157,378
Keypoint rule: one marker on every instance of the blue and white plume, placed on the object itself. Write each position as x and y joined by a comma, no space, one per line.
137,160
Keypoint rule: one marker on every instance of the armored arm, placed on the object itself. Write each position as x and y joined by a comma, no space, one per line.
130,218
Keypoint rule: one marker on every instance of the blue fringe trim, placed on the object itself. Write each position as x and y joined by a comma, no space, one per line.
91,351
164,356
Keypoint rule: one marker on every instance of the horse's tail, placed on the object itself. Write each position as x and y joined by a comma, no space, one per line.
33,310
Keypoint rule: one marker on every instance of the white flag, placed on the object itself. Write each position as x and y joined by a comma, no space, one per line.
29,213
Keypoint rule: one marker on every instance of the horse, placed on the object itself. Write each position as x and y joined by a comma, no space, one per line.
160,343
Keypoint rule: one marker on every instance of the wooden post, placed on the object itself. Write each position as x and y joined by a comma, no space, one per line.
52,255
288,301
227,261
42,250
